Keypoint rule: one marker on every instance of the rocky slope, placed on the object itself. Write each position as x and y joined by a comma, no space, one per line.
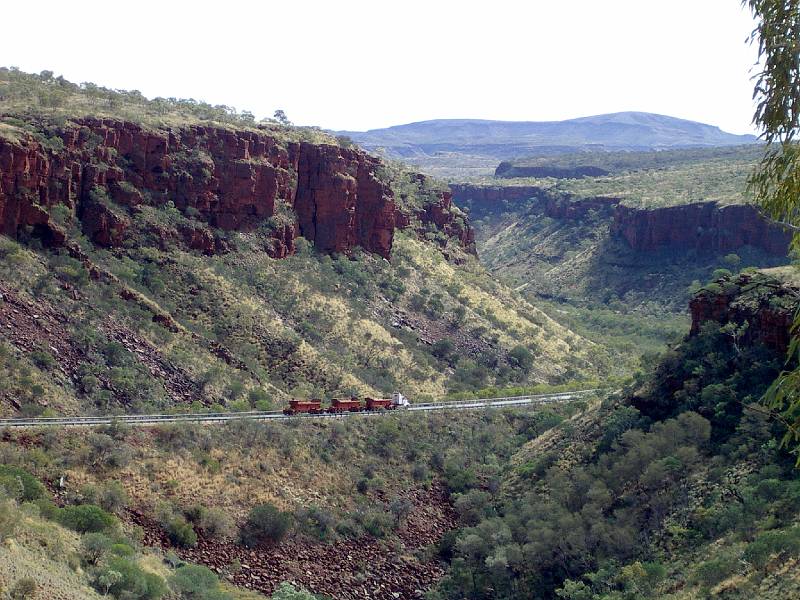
231,179
148,264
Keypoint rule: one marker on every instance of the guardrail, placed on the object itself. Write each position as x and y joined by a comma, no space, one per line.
154,419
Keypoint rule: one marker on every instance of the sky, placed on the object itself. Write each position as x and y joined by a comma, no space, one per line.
357,65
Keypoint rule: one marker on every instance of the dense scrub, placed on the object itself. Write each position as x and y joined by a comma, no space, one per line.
671,492
274,487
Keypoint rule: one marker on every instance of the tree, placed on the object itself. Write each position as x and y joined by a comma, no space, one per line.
281,117
776,181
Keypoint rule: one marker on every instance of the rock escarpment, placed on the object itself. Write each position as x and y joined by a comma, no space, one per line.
485,199
102,170
760,305
508,170
488,194
700,226
703,226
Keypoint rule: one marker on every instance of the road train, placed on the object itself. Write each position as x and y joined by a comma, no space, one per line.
343,405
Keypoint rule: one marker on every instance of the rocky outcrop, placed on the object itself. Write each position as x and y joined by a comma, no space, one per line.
229,179
340,203
452,223
760,305
488,199
281,242
105,226
489,194
508,169
704,226
701,226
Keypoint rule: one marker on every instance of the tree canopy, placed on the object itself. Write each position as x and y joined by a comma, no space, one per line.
775,183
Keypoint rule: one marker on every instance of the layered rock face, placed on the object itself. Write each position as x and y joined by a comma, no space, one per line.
486,198
340,203
508,170
441,214
488,194
761,305
701,226
704,226
230,179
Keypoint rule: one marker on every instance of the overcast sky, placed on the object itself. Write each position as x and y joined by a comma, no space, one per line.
358,65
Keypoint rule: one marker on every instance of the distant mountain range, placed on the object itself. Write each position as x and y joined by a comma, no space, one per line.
508,139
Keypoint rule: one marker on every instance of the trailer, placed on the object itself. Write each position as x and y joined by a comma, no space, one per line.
340,405
379,404
297,407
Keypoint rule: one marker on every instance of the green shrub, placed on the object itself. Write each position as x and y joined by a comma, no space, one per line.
24,588
521,358
9,519
442,349
181,533
123,578
43,359
315,522
287,591
771,543
264,525
85,518
95,547
711,572
20,484
47,509
375,522
113,497
195,582
213,522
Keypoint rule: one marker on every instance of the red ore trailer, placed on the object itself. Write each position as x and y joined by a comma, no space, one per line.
340,405
379,404
296,407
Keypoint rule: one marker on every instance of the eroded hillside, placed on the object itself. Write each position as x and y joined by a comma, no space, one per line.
163,261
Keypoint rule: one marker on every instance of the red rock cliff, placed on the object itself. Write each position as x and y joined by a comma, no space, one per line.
485,200
701,226
230,179
765,303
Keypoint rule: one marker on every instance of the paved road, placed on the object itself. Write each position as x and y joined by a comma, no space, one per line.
141,420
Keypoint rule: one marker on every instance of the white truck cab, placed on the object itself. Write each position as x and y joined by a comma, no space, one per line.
399,401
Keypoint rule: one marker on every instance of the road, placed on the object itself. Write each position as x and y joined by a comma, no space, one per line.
142,420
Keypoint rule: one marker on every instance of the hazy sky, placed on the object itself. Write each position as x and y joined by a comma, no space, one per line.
364,64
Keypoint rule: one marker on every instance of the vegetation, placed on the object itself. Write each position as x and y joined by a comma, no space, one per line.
652,179
264,525
774,182
27,97
619,504
628,303
618,163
